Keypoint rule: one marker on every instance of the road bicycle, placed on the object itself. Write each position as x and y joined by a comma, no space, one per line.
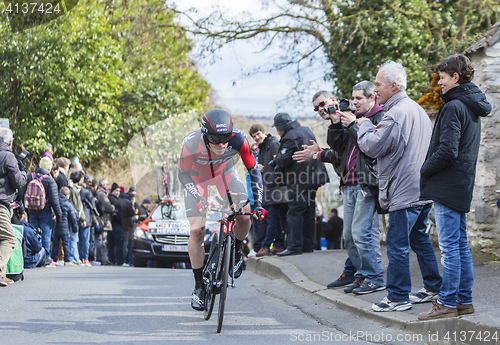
218,271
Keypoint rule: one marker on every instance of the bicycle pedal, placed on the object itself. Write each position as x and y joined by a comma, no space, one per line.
231,285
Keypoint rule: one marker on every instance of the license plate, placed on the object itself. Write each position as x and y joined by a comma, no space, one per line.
172,248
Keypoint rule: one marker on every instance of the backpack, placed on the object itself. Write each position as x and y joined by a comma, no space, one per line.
34,199
15,266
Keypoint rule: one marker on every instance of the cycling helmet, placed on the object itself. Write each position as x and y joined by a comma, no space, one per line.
217,126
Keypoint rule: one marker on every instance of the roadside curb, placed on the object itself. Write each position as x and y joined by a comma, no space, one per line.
475,326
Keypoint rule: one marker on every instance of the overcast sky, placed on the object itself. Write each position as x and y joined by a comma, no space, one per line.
257,95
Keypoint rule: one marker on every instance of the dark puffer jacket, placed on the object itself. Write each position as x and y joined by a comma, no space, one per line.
341,139
299,176
449,170
51,194
68,220
10,176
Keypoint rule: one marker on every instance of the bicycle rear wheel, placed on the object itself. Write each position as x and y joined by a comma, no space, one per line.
226,255
211,271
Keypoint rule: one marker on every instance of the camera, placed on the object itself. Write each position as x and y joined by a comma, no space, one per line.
344,105
25,154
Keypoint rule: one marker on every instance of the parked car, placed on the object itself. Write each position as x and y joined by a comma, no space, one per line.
163,236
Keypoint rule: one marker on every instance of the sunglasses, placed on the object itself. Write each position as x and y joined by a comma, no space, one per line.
321,104
217,139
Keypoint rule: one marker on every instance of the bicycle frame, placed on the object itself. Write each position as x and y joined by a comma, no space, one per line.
217,274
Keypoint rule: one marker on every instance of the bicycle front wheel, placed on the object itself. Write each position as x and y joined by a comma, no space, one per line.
226,255
210,276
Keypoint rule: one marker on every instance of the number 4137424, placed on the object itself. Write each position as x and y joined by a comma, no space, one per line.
32,8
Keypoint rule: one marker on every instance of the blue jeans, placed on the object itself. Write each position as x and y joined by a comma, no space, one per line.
84,242
44,223
407,228
274,233
458,270
73,247
358,219
65,244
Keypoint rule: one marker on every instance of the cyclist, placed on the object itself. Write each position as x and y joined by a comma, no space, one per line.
207,160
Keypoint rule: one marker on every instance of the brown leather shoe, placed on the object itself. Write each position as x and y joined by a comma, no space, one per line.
463,309
438,311
5,281
263,252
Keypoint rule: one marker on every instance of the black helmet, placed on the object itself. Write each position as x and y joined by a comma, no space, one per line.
217,126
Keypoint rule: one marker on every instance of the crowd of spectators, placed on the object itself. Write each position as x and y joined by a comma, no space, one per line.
69,218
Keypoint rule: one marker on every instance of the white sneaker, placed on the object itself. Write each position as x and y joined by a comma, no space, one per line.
423,295
125,265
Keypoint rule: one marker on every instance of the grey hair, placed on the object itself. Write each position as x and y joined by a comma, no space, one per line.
102,182
394,73
325,93
6,135
366,86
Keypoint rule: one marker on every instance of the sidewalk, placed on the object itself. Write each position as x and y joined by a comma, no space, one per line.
313,271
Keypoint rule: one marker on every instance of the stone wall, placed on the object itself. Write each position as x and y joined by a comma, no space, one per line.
483,222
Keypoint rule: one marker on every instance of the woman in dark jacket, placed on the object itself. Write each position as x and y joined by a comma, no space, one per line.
447,178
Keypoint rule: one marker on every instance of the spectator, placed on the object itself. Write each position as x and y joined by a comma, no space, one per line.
127,212
115,237
49,153
359,183
399,142
302,181
43,218
35,253
68,222
88,204
12,177
76,200
447,178
145,207
90,184
333,230
75,164
105,209
255,235
62,179
274,200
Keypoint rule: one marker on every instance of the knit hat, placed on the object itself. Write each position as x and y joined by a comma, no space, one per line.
45,163
146,201
114,186
131,189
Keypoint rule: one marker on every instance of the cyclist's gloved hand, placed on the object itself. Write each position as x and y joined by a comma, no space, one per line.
259,213
202,206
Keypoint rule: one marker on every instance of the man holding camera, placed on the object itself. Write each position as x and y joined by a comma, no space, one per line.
12,177
302,181
359,178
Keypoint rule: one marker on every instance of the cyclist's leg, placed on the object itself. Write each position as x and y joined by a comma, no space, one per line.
232,182
196,250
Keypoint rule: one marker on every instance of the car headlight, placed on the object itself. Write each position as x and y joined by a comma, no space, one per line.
139,233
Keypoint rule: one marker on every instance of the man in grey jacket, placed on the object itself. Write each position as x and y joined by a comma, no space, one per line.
11,178
400,142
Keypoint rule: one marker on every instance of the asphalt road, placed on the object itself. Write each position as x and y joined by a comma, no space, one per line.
127,305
